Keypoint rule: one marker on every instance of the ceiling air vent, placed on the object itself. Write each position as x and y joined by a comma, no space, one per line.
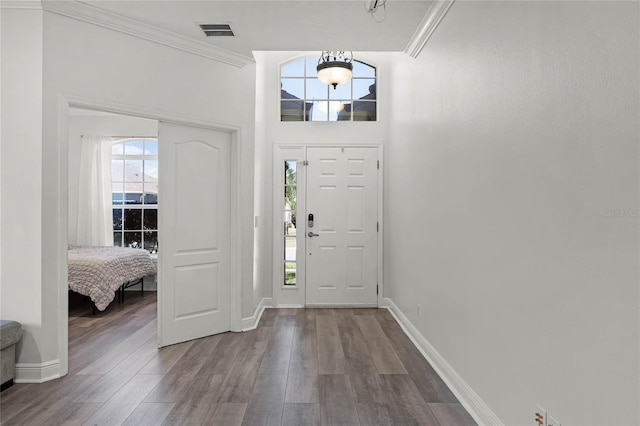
216,30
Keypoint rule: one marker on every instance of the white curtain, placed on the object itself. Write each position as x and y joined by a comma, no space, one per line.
95,220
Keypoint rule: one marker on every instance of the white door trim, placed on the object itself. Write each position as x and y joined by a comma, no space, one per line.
280,299
66,101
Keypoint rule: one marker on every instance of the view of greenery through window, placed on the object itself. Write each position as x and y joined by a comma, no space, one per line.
134,183
290,195
305,98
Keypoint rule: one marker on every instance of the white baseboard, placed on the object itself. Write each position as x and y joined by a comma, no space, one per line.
470,400
251,322
37,373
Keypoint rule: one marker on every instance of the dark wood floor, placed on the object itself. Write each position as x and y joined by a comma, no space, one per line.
299,367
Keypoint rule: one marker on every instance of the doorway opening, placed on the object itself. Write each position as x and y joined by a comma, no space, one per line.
112,202
68,107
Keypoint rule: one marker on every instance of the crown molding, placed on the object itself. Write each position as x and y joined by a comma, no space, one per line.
94,15
429,23
21,4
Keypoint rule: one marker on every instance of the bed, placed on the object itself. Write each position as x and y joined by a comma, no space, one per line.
98,272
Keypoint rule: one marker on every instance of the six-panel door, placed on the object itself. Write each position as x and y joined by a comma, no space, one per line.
341,261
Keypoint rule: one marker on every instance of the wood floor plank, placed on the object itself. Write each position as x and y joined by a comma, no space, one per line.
178,380
120,375
373,414
125,401
288,311
304,350
172,387
268,318
49,397
430,385
76,413
400,388
307,319
451,414
278,353
59,401
166,358
337,405
188,413
89,349
229,379
330,355
240,381
365,380
267,401
205,388
197,400
149,414
354,346
302,387
15,394
113,357
382,352
224,355
364,311
100,335
195,357
368,387
226,414
10,410
301,414
402,392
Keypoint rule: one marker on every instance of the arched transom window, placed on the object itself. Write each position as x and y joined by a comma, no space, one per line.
305,98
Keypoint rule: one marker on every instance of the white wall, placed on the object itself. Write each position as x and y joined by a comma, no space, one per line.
99,64
271,131
512,204
21,169
98,125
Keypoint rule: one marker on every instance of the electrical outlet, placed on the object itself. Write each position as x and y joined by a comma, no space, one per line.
552,421
540,416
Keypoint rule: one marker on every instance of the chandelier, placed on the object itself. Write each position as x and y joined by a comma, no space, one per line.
335,67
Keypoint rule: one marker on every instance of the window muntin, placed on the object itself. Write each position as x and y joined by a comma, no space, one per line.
134,188
305,98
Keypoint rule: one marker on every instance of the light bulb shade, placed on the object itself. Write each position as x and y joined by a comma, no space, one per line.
334,72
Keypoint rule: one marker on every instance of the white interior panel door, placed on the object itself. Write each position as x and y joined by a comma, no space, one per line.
195,220
342,245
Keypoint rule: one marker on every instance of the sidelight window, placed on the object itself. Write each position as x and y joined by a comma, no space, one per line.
289,215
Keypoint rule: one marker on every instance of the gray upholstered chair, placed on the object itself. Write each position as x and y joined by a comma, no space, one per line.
10,334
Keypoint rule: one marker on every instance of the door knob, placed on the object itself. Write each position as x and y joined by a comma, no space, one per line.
311,234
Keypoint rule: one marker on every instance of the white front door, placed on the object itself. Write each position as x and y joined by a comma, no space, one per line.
194,249
342,245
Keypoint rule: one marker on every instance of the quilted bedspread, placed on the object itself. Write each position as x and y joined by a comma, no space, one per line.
98,272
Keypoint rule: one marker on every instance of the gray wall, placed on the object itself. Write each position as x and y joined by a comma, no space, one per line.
512,204
50,56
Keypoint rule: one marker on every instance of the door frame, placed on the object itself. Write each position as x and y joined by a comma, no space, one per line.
296,297
66,101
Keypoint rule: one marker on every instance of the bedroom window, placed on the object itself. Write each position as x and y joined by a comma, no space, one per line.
304,98
134,176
